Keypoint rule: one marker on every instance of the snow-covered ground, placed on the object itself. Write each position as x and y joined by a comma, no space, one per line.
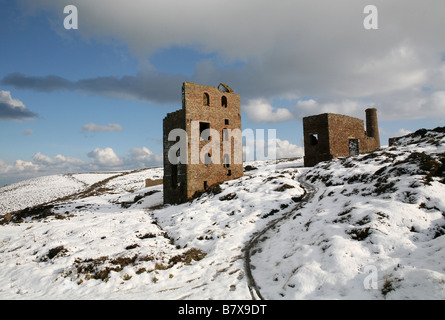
373,229
36,191
125,244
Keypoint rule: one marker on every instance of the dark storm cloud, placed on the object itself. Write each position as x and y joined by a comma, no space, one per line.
7,112
155,87
12,109
46,84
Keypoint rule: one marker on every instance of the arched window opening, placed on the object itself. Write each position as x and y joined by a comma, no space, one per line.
206,99
224,101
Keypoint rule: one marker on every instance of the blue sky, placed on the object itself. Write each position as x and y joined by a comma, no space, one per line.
94,98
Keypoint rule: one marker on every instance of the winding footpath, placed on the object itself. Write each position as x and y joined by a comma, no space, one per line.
309,191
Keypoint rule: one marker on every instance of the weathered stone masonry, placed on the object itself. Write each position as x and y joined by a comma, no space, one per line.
327,136
203,107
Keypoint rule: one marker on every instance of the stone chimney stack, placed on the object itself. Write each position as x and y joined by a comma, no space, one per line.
372,126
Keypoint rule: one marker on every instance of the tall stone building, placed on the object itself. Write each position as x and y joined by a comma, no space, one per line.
327,136
202,141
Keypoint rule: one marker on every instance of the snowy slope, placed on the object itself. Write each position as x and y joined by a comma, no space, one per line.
46,189
373,229
112,245
32,192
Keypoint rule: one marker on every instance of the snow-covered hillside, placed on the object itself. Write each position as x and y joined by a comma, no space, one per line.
42,190
120,242
373,230
370,227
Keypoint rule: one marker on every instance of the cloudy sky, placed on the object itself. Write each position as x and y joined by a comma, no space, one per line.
93,98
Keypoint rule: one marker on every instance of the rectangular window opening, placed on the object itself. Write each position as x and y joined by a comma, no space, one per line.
203,126
314,139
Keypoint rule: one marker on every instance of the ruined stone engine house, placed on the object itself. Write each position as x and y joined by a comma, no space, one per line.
207,159
327,136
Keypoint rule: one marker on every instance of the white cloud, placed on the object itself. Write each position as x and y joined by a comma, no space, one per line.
21,166
143,157
285,149
5,96
273,148
42,165
399,68
40,158
259,110
58,162
92,127
403,132
100,160
105,158
414,104
348,107
19,170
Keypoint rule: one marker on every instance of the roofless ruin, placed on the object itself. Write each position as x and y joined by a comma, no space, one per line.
328,135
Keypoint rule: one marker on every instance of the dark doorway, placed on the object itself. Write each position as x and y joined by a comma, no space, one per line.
353,147
174,176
